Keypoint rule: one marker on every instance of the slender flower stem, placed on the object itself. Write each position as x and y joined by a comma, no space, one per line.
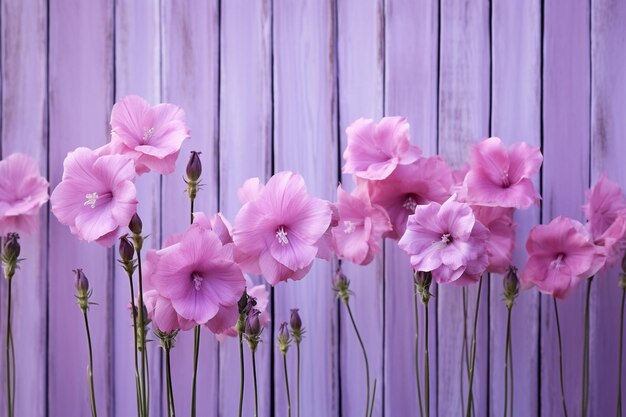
298,375
506,360
621,345
470,398
367,366
585,385
256,396
465,353
287,385
242,374
171,409
510,353
134,314
417,364
196,354
142,337
9,336
558,331
92,395
426,362
373,396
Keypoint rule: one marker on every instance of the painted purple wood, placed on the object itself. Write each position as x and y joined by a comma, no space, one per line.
80,98
245,152
305,141
24,117
566,98
464,93
137,71
411,58
190,35
516,94
608,130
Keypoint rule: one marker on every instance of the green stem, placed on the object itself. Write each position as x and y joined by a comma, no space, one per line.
621,344
171,409
558,332
13,385
134,314
256,397
196,353
142,337
511,371
367,366
242,374
426,362
417,364
92,395
506,360
8,351
298,375
147,382
287,384
585,384
373,396
470,398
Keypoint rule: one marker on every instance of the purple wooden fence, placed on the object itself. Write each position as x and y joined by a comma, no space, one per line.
271,85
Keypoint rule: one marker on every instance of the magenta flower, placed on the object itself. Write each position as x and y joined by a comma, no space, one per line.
96,197
501,242
22,192
151,136
502,177
423,181
561,254
162,313
360,228
279,230
375,150
447,240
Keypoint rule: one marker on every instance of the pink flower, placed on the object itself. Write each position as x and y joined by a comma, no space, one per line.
162,313
500,176
501,242
279,230
196,275
96,197
151,136
447,240
375,150
225,325
361,227
22,192
423,181
560,255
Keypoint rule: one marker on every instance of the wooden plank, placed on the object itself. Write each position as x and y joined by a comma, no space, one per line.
137,71
566,97
245,152
24,129
190,36
463,119
608,129
516,45
306,141
81,96
411,60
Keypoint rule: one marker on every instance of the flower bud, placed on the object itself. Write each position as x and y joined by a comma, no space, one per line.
296,326
283,338
422,280
11,254
126,250
83,292
511,286
194,166
341,285
253,324
135,224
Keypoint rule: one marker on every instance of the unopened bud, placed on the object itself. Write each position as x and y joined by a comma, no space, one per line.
135,225
511,286
341,285
283,338
422,280
194,166
253,324
11,254
296,326
83,292
126,250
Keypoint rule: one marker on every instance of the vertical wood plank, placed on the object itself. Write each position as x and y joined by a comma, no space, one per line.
190,72
515,116
24,129
306,142
137,71
245,152
608,129
566,97
411,63
464,97
81,96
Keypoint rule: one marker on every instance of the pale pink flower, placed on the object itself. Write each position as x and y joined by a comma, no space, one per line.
151,136
162,313
561,254
96,197
375,149
22,192
279,230
502,177
447,240
423,181
361,225
501,242
225,324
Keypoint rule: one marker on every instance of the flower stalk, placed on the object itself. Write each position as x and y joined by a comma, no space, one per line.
511,291
83,294
423,280
167,340
417,364
283,343
10,263
558,332
470,399
297,332
585,384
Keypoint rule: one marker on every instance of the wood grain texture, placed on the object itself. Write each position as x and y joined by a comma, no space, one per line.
190,76
464,95
305,141
80,98
566,99
245,152
137,72
24,129
516,95
411,61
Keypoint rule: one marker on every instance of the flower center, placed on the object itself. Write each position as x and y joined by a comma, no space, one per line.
446,238
410,203
281,235
348,227
197,280
147,134
506,182
90,199
556,263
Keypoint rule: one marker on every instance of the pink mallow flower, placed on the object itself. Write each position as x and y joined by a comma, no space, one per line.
502,177
447,240
22,192
375,149
96,197
151,136
501,242
423,181
360,228
278,231
561,254
162,313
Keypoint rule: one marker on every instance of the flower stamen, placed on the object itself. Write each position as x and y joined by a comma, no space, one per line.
446,238
349,227
410,204
90,199
147,133
197,280
281,235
